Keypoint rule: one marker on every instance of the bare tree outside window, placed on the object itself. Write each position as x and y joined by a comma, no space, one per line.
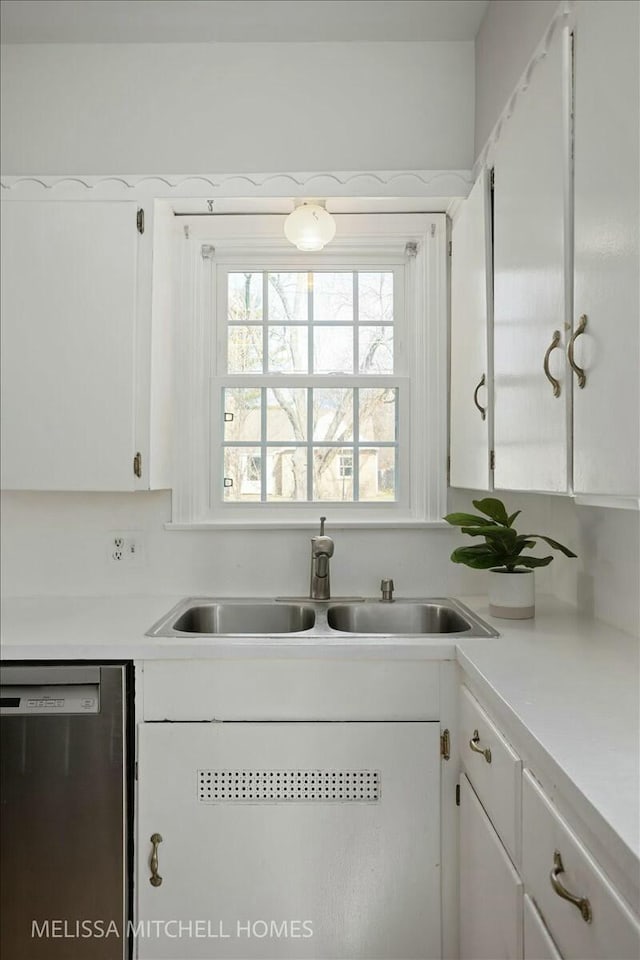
317,442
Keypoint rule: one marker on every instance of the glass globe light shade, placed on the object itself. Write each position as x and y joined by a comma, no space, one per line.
310,227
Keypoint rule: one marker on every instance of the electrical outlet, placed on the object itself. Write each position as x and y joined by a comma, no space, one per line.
125,546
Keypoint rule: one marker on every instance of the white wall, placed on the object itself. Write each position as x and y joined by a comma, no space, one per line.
604,580
56,543
259,107
508,36
98,109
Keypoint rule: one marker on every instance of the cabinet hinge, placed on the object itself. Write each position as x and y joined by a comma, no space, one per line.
492,460
448,468
135,772
457,794
140,220
450,247
445,745
137,464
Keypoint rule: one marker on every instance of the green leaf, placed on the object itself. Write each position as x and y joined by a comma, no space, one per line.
476,548
513,517
553,543
467,519
522,543
532,562
478,558
492,533
493,508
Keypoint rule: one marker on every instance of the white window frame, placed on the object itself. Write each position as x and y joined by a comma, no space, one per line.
414,243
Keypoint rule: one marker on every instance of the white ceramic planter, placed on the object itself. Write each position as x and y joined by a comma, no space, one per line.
512,595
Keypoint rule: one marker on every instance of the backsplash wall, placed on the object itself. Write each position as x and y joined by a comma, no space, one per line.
604,580
57,544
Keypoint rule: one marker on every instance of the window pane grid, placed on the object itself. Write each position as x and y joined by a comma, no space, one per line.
317,434
265,327
329,432
356,438
268,303
263,452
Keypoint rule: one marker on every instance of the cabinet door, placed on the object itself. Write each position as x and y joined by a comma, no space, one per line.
471,363
538,944
608,931
607,160
335,824
490,888
68,312
531,300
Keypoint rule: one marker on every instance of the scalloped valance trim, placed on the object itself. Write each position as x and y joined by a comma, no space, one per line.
427,183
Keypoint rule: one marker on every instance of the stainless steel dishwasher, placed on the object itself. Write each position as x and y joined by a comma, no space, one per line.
64,789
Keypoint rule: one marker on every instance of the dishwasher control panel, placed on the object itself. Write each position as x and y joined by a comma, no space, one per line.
50,699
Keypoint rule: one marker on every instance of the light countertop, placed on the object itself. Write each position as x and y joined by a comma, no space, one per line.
567,685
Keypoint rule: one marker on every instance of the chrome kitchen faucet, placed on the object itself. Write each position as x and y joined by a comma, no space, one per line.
321,552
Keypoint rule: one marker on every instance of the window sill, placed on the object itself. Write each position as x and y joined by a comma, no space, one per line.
311,525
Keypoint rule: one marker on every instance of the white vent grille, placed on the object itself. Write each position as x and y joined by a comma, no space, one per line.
288,785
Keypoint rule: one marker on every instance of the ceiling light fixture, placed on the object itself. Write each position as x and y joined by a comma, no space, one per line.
310,227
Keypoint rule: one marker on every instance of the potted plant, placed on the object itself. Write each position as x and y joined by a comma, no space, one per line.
511,575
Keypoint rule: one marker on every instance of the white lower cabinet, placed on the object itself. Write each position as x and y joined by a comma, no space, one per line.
494,769
490,888
584,913
538,944
305,840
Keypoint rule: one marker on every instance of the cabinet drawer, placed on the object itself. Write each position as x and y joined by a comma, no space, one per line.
496,775
490,888
612,933
538,944
290,690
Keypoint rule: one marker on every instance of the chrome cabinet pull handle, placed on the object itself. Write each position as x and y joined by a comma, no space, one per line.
473,743
545,364
581,903
483,410
579,372
155,879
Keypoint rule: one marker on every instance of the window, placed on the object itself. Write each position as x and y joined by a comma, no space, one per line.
304,442
310,374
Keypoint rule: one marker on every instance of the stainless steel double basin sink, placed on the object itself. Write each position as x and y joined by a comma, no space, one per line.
204,617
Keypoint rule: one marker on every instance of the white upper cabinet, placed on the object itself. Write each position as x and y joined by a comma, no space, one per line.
69,289
471,357
607,172
531,170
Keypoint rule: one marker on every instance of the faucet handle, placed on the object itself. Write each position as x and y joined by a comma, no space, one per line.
322,523
387,588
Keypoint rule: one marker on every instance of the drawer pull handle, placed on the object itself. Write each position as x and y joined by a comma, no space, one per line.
555,342
155,879
473,743
581,903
